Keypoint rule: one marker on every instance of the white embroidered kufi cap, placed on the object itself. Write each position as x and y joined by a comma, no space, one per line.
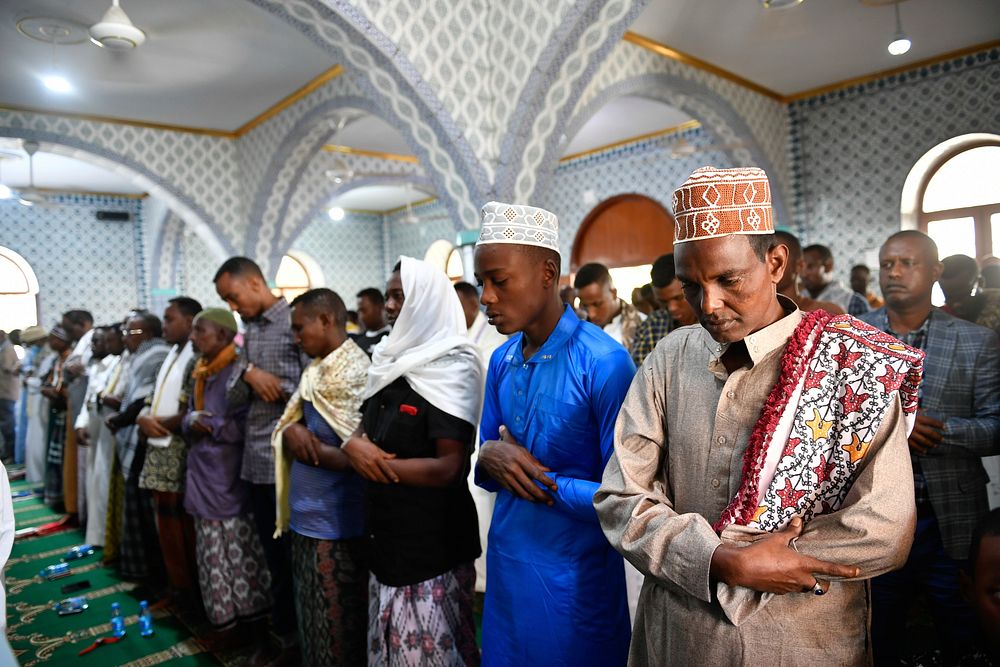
518,224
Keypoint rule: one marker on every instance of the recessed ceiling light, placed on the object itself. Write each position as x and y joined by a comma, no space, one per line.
57,84
336,213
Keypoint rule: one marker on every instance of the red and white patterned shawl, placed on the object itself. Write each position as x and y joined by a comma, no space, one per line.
839,377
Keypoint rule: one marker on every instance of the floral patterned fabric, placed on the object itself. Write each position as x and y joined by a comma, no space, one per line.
430,623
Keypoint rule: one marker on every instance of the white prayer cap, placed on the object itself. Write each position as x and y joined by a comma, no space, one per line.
518,224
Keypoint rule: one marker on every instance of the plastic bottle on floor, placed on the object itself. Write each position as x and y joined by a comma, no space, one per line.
117,621
145,620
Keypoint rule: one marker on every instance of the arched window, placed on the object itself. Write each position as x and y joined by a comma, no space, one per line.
960,202
18,292
297,273
443,254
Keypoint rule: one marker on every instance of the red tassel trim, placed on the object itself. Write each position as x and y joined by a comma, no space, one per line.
794,363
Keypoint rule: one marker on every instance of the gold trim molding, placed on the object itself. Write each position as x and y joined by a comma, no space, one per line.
686,125
268,114
325,77
419,202
687,59
348,150
122,121
868,78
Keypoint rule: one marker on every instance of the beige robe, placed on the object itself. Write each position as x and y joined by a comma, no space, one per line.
679,444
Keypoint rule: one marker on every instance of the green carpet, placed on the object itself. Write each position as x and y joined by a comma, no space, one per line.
37,634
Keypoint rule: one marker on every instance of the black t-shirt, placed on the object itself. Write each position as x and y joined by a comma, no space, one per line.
366,342
417,533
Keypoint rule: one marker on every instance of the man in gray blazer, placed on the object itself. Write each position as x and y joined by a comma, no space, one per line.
958,423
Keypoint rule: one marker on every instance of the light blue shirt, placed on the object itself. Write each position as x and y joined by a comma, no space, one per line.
556,593
325,504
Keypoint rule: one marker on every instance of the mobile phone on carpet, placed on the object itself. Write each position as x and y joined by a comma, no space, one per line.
75,586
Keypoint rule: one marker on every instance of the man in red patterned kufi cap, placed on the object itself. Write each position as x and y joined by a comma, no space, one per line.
761,472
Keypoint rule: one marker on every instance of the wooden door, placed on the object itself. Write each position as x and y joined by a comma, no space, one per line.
625,230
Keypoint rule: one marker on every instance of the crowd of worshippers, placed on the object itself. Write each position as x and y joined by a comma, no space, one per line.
787,464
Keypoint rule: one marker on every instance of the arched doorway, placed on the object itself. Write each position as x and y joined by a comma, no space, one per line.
626,233
625,230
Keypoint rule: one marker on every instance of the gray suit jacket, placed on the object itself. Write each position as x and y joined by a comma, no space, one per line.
961,387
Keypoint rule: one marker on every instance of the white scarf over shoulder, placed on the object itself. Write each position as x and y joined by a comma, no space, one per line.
428,346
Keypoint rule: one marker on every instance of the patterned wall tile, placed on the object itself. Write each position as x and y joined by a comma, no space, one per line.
80,262
475,54
414,239
315,189
349,252
198,265
854,148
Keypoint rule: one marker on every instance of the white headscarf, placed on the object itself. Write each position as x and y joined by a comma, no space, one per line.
429,346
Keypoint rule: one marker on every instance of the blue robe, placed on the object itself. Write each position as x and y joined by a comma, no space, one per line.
556,591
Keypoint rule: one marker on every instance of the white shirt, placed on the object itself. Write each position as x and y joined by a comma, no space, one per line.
98,375
614,327
82,349
485,336
169,381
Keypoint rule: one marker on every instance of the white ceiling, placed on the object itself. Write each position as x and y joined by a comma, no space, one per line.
58,172
219,63
373,134
623,118
206,63
817,43
379,197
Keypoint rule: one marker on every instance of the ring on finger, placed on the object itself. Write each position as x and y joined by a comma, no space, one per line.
817,587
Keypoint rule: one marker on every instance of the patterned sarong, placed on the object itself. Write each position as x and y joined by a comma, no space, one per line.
233,575
54,457
430,623
331,599
839,377
139,554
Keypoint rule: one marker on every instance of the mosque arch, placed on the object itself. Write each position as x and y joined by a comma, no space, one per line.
624,230
293,167
394,89
156,184
718,118
143,175
319,201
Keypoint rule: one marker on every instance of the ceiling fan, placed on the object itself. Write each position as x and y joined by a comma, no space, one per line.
683,148
412,217
115,31
32,196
